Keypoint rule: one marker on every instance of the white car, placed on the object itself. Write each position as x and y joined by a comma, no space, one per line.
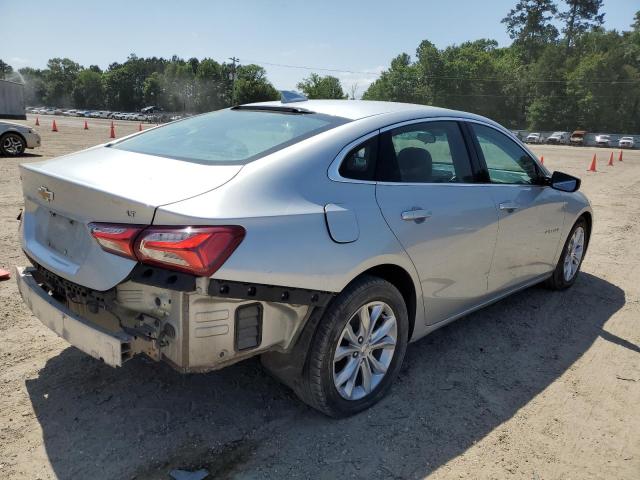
603,140
626,142
15,138
533,138
558,138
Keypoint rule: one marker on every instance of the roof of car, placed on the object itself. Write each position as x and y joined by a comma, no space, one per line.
357,109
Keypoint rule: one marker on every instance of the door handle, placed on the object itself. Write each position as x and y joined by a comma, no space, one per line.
415,215
508,206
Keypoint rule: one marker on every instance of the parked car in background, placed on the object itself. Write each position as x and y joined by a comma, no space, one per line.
558,138
321,235
626,142
603,140
577,138
533,138
15,138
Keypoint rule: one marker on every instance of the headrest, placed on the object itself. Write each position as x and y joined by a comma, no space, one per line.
415,164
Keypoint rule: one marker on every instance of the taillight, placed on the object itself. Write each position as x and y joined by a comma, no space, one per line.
196,250
116,238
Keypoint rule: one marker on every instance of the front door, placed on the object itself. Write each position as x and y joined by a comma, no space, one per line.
531,214
447,224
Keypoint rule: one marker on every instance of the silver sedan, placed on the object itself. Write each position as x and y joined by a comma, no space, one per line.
15,138
322,235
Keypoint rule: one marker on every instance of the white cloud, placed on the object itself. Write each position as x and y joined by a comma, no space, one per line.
18,62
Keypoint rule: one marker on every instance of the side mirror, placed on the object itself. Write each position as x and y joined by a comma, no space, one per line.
564,182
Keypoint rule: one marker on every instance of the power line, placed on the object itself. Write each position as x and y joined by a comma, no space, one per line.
447,77
304,67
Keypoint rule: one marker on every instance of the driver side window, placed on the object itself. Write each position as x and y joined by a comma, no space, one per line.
507,162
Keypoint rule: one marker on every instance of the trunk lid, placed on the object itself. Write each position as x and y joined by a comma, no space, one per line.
63,195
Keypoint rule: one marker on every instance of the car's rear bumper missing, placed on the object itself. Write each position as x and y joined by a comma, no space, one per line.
112,348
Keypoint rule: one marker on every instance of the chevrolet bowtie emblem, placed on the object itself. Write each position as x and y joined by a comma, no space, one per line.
45,193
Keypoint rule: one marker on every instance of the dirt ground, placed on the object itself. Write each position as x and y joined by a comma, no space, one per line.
542,385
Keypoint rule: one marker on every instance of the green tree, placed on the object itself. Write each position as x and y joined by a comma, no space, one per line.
88,91
60,78
529,26
316,86
214,84
5,69
153,90
580,16
400,83
35,87
251,85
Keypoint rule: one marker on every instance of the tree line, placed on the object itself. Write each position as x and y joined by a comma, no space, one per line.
563,71
582,76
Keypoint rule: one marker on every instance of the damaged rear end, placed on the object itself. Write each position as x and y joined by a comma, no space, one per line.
114,283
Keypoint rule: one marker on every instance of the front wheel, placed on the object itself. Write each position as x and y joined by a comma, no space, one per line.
12,145
357,350
570,261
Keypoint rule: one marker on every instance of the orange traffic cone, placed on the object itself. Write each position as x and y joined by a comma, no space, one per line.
610,164
592,168
54,127
542,159
113,131
140,127
620,156
86,127
37,122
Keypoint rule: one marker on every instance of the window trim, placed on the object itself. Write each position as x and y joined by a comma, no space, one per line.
334,168
478,165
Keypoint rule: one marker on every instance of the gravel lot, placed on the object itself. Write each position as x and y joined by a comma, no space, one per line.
541,385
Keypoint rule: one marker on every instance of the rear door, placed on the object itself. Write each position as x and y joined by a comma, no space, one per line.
446,223
531,214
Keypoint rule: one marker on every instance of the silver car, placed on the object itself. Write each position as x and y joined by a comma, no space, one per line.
15,138
626,142
322,235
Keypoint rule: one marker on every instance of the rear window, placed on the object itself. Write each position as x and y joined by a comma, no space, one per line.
229,136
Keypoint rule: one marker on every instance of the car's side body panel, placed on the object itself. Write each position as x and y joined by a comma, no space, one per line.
452,248
529,234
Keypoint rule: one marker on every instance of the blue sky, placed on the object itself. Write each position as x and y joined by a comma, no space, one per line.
357,36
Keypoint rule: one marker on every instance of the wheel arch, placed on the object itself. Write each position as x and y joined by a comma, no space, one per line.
588,218
402,280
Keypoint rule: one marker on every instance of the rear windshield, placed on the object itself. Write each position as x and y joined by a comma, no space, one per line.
229,136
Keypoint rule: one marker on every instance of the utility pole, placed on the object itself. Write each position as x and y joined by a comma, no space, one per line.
234,60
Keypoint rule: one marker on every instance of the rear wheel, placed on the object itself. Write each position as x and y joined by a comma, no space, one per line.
12,145
357,350
570,261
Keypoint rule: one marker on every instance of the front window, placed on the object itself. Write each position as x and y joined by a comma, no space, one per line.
229,136
506,161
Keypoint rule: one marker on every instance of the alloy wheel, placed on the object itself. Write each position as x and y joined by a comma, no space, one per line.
573,256
365,350
12,145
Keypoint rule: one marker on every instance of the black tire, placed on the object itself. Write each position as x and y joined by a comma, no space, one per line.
557,281
316,387
12,145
